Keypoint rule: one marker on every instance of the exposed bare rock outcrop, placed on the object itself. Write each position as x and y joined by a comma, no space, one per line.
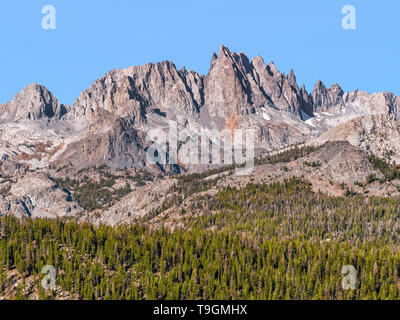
108,140
235,85
136,91
379,134
323,97
110,122
37,195
34,102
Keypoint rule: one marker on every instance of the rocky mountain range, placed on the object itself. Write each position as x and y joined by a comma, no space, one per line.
101,141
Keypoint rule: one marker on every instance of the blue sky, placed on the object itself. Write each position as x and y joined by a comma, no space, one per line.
93,37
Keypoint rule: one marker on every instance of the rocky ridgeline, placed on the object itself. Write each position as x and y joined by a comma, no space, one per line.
108,125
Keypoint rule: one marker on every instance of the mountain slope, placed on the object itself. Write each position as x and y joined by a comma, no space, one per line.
110,121
115,123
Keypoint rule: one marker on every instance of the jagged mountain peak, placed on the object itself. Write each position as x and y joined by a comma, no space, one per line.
136,91
34,102
291,76
223,50
258,61
273,70
33,87
233,58
119,110
336,87
110,121
227,90
234,85
324,97
33,90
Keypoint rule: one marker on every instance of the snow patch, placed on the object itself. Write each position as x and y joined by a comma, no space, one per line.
266,117
265,114
310,122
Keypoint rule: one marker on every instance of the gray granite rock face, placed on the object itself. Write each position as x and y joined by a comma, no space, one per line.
34,102
110,121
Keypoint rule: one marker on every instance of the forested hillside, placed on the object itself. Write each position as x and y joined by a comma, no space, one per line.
280,241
